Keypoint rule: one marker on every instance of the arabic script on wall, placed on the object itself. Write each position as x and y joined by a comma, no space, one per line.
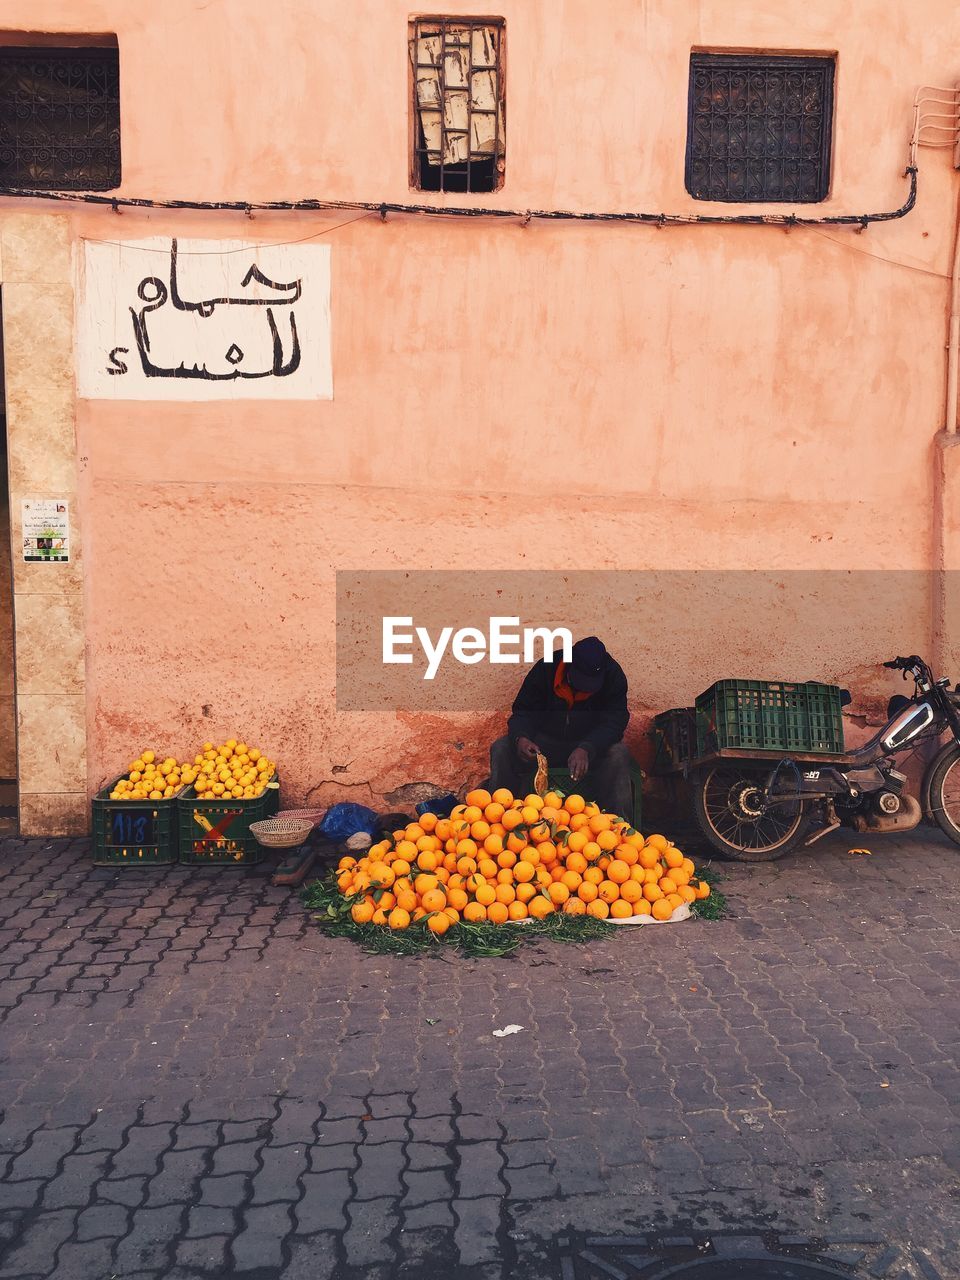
169,319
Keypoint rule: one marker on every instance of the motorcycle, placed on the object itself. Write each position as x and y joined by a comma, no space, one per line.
753,813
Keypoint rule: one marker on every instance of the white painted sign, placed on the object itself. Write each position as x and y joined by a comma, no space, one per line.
168,319
46,529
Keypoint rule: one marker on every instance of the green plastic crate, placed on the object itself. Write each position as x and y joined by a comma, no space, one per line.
133,833
674,738
770,715
217,832
559,778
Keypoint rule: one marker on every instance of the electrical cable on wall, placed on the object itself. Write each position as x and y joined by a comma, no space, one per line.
385,207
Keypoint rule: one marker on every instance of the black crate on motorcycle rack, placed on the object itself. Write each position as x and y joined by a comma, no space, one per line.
770,715
674,738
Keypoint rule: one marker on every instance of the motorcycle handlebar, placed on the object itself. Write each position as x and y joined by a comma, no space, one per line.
903,664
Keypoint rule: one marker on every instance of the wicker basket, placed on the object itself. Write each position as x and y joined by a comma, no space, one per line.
281,833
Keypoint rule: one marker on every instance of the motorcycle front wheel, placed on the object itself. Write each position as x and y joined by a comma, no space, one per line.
728,803
944,793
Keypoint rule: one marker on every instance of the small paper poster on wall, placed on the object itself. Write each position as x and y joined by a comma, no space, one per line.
46,530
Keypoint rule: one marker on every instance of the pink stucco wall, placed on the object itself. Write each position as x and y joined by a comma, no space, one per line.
554,396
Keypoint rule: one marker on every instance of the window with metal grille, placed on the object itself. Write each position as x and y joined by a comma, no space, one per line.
759,128
458,103
60,118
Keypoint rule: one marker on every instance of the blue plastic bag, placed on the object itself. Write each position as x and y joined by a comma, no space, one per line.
343,820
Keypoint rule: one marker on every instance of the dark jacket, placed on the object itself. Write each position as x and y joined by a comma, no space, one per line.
595,724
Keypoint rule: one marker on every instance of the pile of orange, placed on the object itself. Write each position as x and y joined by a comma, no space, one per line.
498,858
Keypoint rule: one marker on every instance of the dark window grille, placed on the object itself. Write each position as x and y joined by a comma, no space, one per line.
60,118
759,128
458,104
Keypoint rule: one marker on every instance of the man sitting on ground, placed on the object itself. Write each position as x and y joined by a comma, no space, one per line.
575,714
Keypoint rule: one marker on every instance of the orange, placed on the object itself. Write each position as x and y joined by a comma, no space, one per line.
427,861
675,900
572,879
537,802
485,894
652,892
497,913
516,843
474,912
401,867
345,863
593,875
679,875
503,796
506,893
553,799
557,872
517,911
599,822
512,818
529,814
638,874
631,891
540,907
626,853
618,871
428,821
559,893
439,923
428,842
587,892
580,822
649,857
657,842
505,875
453,914
688,866
494,812
661,909
362,912
487,867
444,829
414,831
604,861
576,862
525,892
465,865
673,857
457,899
424,883
493,845
574,907
703,890
443,875
387,901
653,874
466,848
480,830
507,859
434,900
344,881
667,885
398,918
621,910
479,797
419,914
608,841
539,832
576,840
407,850
609,891
598,909
407,899
592,851
642,908
524,871
574,803
687,894
472,813
379,916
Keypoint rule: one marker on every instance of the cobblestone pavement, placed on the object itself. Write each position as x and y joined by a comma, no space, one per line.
197,1083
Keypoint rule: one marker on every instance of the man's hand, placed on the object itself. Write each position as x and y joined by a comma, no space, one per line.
526,749
578,764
